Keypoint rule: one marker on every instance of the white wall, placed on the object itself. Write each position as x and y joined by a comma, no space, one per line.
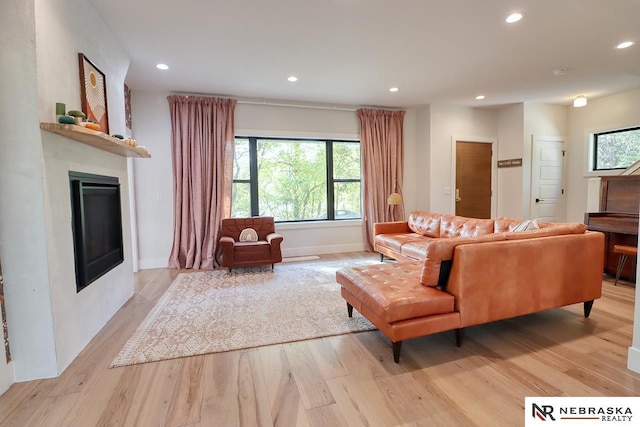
633,360
447,122
411,185
39,44
510,146
22,230
547,120
421,176
79,316
611,112
151,125
59,37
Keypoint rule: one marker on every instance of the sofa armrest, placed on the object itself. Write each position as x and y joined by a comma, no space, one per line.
391,227
275,240
441,249
226,243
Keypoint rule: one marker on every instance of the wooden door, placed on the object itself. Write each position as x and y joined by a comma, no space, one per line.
473,179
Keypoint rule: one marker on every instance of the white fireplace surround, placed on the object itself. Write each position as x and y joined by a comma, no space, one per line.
78,316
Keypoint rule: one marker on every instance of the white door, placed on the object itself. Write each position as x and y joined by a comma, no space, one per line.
547,180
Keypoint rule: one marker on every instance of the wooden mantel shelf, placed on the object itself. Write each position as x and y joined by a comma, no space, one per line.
95,139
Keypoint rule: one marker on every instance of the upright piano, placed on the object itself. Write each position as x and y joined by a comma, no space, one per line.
617,219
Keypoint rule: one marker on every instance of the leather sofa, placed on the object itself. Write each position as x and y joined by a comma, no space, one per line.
431,237
470,280
263,248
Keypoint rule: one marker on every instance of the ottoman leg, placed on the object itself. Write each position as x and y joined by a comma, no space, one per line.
349,310
396,350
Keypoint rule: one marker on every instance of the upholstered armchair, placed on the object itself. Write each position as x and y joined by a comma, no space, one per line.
250,241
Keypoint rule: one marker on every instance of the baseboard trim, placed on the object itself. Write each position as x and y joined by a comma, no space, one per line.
147,264
633,360
319,250
6,376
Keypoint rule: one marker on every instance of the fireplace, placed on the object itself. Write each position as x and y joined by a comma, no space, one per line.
96,224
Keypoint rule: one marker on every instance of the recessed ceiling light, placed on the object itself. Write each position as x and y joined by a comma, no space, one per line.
514,17
292,78
479,97
162,67
580,101
624,45
394,89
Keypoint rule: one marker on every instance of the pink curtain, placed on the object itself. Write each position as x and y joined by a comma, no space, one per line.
202,140
381,140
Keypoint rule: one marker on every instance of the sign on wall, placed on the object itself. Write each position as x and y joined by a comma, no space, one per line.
509,163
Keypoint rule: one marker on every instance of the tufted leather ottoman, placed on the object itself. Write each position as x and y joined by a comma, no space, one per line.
393,299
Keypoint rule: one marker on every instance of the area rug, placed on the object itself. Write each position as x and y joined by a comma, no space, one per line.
216,311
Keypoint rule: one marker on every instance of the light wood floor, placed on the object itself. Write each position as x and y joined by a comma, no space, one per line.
348,380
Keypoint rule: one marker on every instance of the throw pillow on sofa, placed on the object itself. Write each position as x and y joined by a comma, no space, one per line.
529,224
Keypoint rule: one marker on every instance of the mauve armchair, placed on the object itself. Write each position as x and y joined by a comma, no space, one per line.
237,252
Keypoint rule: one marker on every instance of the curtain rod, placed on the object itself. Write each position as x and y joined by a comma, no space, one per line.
279,104
283,104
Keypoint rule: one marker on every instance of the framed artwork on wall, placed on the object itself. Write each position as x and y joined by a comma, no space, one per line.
93,93
127,109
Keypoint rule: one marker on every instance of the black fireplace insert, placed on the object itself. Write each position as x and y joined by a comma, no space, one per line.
97,225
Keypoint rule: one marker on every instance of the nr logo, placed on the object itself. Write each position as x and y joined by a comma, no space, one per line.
542,412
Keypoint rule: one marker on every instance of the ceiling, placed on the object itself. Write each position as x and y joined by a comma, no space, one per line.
350,52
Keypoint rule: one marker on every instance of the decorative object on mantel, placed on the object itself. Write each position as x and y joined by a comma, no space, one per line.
78,115
96,139
92,126
60,109
93,93
67,120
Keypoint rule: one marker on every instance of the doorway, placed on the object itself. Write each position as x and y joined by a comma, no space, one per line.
547,179
473,184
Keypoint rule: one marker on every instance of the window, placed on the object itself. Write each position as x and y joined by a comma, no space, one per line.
296,179
617,149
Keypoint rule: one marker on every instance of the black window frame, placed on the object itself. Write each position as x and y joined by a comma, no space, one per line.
595,148
253,175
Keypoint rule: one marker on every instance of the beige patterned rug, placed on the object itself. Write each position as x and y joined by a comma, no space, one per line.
215,311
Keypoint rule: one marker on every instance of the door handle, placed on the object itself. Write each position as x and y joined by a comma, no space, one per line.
539,200
458,195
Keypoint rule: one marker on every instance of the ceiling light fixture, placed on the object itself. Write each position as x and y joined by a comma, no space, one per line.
514,17
580,101
624,45
394,89
292,78
479,97
162,67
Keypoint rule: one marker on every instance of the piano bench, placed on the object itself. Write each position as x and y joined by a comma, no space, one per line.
624,252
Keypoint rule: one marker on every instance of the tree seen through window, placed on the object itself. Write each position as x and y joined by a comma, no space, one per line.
296,179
